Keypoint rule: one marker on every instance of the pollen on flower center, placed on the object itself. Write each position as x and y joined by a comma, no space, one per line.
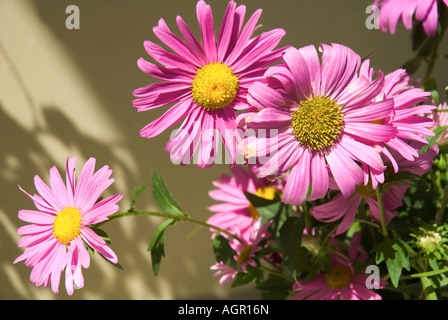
317,123
214,86
340,276
267,193
67,225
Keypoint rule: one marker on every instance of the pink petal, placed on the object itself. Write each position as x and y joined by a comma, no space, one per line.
346,173
167,120
205,19
48,194
298,181
319,177
192,41
299,70
98,244
37,217
244,37
339,66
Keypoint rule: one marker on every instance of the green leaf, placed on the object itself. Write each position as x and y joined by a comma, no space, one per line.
163,196
290,238
135,194
224,252
383,250
275,287
251,274
428,288
103,235
430,85
158,243
396,254
267,209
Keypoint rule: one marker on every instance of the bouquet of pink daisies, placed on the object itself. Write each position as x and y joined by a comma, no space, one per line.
337,185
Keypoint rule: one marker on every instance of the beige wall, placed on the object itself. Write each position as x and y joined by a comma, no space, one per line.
66,92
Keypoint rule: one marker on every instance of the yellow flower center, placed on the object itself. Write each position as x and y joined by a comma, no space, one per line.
367,190
214,86
244,255
67,225
267,193
340,276
378,121
317,123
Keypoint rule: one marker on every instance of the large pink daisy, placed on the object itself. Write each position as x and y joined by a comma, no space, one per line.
408,118
409,12
206,80
58,232
319,120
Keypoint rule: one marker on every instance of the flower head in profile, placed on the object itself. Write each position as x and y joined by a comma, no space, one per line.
345,208
206,80
321,116
235,212
409,12
245,251
340,283
411,119
58,232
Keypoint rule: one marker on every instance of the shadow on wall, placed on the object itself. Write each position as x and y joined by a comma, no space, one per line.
40,127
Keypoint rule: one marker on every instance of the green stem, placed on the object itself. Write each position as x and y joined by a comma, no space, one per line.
425,274
169,216
379,197
433,59
271,271
435,49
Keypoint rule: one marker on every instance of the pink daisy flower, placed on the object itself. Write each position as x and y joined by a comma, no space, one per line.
408,118
208,81
320,116
236,212
345,208
440,117
340,283
409,12
245,251
58,232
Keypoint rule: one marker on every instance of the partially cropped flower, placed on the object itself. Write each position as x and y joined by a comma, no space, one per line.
409,12
440,116
236,212
207,80
410,118
245,251
320,116
58,232
345,208
341,283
